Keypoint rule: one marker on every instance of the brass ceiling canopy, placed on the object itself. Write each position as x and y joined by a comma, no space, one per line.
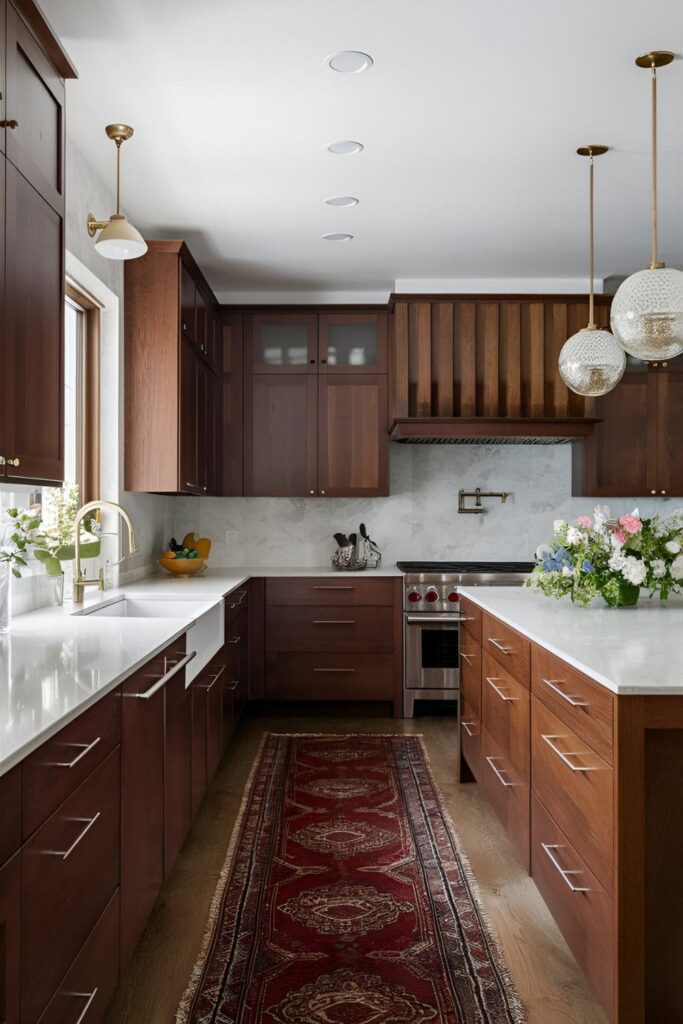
119,133
655,59
592,150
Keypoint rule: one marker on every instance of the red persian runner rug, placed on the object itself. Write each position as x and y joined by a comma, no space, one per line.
346,898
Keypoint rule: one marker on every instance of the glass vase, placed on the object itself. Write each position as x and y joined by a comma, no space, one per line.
5,596
627,597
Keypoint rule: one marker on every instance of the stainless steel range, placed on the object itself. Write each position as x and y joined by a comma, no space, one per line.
431,622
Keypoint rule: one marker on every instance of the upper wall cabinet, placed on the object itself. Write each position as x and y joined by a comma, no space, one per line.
486,358
637,448
315,404
172,375
31,247
34,113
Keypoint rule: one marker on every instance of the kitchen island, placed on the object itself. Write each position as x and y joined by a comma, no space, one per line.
572,722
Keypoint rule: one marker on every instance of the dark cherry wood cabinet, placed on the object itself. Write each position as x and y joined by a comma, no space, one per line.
207,726
281,424
173,393
352,343
353,442
636,448
177,767
34,111
10,939
282,343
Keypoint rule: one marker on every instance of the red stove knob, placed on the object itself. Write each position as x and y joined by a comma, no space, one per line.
453,597
431,596
414,596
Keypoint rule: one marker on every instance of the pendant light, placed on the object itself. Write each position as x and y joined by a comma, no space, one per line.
118,239
592,362
647,311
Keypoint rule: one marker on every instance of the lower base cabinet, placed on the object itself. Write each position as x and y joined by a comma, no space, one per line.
177,768
10,939
508,793
85,992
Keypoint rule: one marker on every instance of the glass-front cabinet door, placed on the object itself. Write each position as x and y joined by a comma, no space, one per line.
353,342
283,342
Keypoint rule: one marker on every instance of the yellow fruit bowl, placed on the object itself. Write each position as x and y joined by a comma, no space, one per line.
182,566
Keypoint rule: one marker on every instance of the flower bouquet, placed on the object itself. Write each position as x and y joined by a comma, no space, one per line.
611,558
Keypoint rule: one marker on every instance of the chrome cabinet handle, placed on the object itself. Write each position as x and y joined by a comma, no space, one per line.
204,686
334,622
563,872
334,588
88,996
469,658
87,747
235,640
564,756
67,853
466,727
467,618
242,594
233,685
164,679
334,670
550,683
498,772
499,644
492,684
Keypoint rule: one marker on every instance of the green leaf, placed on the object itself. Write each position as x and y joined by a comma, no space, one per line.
16,572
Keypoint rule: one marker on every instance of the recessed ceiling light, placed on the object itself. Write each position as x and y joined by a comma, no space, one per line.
337,236
342,201
345,147
349,62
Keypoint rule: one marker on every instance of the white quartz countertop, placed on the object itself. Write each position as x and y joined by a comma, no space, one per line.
54,664
628,650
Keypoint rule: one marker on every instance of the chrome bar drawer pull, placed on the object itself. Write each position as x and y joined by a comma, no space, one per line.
87,747
466,727
551,684
498,772
240,594
334,587
565,755
164,679
89,996
469,658
492,684
500,645
210,686
334,670
334,622
67,853
563,872
235,640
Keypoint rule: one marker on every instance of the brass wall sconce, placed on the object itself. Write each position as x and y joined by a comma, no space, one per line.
118,239
478,494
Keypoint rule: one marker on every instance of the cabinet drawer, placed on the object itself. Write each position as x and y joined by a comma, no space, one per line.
235,603
575,785
508,794
510,648
584,705
70,871
10,940
580,905
58,767
329,676
470,739
324,590
10,814
83,996
331,628
470,673
471,623
505,713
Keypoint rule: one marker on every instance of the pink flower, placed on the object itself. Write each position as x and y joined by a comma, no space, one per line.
631,524
584,521
620,536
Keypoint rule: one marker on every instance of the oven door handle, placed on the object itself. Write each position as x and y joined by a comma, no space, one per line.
444,619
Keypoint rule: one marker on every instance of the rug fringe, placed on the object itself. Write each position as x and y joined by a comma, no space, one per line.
497,954
185,1005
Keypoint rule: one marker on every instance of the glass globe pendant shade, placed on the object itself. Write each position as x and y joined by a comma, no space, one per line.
592,362
647,313
119,240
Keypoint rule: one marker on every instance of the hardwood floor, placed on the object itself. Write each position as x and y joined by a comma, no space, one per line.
547,978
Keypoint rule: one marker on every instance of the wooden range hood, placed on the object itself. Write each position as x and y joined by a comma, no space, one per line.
483,369
490,430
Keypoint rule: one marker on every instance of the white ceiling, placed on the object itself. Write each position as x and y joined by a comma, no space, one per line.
470,118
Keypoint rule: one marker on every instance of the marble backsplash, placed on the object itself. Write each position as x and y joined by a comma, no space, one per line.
419,520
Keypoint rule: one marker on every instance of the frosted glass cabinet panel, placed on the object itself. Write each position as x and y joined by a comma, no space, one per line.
353,342
283,343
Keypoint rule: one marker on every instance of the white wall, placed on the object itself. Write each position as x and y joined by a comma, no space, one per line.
419,520
151,514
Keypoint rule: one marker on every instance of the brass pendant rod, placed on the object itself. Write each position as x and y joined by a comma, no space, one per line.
654,263
118,176
591,299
